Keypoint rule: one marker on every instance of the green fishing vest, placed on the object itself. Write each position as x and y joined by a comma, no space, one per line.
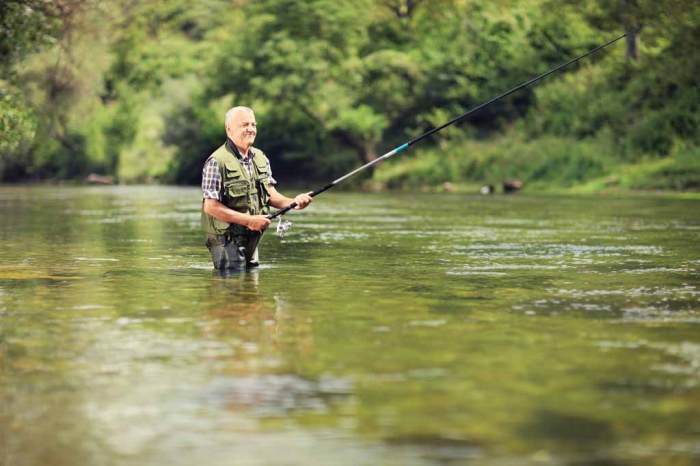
242,192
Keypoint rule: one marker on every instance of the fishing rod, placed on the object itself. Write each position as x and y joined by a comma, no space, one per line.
417,139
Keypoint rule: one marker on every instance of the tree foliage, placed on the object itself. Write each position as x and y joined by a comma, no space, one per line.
138,89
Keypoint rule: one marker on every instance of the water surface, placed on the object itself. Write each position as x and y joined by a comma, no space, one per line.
385,329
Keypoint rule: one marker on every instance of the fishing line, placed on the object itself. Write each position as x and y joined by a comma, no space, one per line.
403,147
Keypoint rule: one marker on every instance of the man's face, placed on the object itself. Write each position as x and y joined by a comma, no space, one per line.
242,129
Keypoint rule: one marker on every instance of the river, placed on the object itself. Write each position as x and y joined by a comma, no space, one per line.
384,329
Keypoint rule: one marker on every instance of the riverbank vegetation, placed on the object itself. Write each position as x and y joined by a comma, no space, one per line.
136,90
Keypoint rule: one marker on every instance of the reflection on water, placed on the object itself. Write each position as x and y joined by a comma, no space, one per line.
379,330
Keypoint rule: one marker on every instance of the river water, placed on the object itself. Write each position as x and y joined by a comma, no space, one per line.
384,329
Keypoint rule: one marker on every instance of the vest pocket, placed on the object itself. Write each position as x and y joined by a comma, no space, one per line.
262,166
236,187
262,177
237,193
219,226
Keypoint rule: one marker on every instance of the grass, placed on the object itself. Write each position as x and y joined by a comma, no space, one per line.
544,164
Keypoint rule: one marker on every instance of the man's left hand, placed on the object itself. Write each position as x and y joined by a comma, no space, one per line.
303,200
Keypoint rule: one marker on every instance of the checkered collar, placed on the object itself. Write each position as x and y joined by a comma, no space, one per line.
231,147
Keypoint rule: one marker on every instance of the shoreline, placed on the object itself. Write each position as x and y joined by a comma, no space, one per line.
369,187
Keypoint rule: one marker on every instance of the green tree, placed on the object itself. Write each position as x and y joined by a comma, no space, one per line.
139,88
648,105
25,27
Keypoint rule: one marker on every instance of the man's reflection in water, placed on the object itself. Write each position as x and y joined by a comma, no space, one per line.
256,322
264,352
237,275
238,302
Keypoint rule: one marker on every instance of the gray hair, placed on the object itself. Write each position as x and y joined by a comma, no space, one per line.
232,111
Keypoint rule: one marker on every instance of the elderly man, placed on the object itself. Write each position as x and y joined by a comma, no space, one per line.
238,190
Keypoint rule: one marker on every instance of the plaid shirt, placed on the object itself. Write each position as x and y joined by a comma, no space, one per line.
211,176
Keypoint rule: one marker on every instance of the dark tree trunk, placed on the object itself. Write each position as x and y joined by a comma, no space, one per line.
632,44
631,25
370,153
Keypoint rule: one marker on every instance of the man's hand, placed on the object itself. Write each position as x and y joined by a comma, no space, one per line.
303,200
258,223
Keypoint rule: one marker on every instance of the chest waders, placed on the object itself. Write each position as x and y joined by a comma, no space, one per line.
234,246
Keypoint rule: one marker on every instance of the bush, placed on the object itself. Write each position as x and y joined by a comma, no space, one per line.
679,172
553,161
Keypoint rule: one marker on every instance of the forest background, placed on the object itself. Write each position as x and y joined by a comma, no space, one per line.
137,89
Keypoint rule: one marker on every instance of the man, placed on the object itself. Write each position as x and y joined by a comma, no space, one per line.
238,190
